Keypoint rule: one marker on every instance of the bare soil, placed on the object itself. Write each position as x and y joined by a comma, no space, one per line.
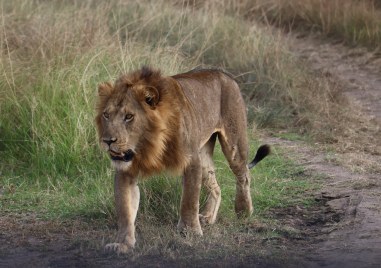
27,241
343,228
357,70
349,234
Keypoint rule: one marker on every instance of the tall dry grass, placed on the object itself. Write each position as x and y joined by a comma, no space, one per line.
357,22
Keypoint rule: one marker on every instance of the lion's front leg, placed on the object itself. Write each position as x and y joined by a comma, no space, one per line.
189,217
127,197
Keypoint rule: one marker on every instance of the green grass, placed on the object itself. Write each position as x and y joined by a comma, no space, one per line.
276,182
88,198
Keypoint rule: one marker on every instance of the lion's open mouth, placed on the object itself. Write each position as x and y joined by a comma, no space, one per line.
126,156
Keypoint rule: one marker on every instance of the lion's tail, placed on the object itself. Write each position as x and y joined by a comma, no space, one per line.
262,152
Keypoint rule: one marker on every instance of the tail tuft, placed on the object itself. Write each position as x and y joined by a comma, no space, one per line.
262,152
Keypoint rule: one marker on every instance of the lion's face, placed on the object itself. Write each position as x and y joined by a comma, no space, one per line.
123,122
125,115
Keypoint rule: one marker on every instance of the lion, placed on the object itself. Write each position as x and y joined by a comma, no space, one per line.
149,123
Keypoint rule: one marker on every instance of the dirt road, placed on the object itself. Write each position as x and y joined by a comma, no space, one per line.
353,237
346,227
356,69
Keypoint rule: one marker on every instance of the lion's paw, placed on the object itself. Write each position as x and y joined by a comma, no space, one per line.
206,220
185,230
203,219
119,248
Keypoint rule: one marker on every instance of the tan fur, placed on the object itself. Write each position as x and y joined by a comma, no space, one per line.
176,121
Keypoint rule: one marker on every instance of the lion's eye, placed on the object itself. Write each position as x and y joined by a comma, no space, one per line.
128,117
106,115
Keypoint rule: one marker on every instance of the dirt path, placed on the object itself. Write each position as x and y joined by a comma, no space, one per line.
352,236
356,69
349,218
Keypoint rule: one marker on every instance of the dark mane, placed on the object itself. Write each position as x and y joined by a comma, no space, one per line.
146,75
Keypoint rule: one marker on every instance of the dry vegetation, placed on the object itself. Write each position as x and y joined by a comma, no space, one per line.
357,22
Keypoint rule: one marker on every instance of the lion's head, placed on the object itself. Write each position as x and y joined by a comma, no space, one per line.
136,121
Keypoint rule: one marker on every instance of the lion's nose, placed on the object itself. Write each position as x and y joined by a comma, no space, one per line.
108,141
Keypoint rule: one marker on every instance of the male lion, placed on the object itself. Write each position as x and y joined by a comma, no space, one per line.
149,123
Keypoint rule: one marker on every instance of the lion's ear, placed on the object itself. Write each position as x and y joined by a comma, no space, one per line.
152,97
105,89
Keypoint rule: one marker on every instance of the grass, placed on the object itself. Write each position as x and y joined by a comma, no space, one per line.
355,22
90,195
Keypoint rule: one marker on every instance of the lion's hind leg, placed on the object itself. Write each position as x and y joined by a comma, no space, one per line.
209,213
235,148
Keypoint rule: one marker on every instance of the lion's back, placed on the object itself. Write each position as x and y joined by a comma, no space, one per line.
207,84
